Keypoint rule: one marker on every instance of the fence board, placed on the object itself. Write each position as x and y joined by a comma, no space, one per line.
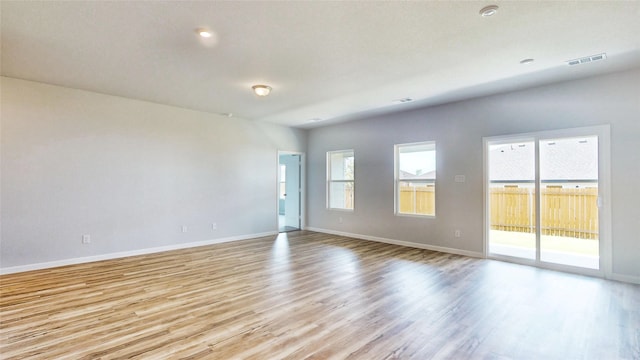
417,200
570,212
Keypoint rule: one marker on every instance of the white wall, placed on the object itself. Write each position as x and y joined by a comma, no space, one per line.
129,173
458,129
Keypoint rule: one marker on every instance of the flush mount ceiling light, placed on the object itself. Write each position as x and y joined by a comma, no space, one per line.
204,32
489,10
261,90
526,61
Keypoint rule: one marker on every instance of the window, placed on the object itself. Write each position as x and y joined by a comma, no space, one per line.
340,179
416,179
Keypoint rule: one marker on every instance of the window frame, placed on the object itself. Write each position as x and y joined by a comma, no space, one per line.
398,180
330,181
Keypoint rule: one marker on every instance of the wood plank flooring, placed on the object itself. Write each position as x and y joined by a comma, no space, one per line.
305,295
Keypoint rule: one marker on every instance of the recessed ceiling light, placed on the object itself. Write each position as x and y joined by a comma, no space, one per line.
227,114
489,10
315,120
261,90
203,32
526,61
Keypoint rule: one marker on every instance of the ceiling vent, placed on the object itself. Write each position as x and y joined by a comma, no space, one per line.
403,100
587,59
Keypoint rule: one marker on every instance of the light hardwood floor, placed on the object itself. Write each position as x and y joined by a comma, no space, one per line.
306,295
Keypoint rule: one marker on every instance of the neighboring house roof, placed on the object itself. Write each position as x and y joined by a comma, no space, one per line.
565,159
430,175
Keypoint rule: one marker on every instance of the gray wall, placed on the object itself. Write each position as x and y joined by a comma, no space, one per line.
129,173
458,129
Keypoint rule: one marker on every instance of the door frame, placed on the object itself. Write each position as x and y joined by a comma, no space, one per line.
604,196
302,186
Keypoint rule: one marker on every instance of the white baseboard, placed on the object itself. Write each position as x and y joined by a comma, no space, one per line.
400,242
617,277
625,278
46,265
117,255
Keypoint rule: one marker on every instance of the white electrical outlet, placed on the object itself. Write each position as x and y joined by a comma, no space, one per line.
184,228
86,239
214,226
457,233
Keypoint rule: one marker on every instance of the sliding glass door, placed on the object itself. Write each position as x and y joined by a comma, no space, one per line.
543,198
512,198
569,201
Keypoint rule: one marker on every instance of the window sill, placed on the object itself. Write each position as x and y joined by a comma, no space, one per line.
339,209
418,216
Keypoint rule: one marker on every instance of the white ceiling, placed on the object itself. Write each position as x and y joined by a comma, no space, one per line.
330,60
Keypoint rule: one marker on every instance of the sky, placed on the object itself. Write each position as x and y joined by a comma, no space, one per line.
414,161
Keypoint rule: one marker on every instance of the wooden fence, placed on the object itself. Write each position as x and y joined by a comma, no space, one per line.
571,212
417,200
348,197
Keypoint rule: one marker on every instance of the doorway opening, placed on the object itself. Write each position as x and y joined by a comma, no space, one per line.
290,196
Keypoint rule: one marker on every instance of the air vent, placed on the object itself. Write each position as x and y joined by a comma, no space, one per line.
587,59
